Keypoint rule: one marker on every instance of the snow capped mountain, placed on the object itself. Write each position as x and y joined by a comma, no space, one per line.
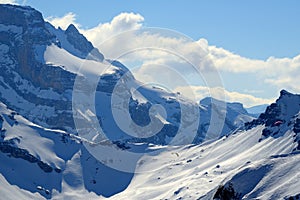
238,166
235,114
280,117
61,99
46,162
75,43
42,64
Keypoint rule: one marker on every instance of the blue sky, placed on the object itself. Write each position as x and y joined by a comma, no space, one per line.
255,29
253,44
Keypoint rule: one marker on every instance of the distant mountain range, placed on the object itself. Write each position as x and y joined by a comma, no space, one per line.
55,86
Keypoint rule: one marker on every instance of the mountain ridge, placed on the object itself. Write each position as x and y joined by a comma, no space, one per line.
46,155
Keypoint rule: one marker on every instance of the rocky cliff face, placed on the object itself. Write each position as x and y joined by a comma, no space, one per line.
42,91
23,37
79,42
40,149
235,115
34,88
39,160
279,117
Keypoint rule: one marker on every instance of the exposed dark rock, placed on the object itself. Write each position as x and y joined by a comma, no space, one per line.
1,122
6,147
121,145
279,116
226,193
45,167
80,42
139,112
294,197
296,128
57,170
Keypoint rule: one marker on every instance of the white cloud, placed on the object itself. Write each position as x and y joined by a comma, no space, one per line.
119,24
279,72
63,22
8,2
125,38
248,100
227,61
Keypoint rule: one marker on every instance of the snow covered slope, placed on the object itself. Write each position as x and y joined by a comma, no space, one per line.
54,83
235,114
239,166
242,165
196,172
48,162
41,65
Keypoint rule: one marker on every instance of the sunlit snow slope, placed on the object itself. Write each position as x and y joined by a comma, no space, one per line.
46,138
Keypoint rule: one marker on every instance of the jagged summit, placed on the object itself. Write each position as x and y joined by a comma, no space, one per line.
279,117
285,92
26,21
22,14
45,62
43,155
285,107
72,29
79,42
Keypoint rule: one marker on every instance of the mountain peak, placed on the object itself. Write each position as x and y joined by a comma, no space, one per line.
19,15
279,115
284,93
208,101
27,22
80,42
72,29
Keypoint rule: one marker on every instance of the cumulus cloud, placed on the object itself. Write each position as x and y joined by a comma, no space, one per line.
228,61
279,72
119,24
64,21
161,54
202,91
8,2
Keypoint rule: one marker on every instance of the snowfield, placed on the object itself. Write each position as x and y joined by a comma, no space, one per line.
196,171
51,146
256,169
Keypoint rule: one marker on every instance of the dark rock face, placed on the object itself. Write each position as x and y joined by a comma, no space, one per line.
1,122
280,116
294,197
268,118
226,193
296,128
30,20
235,116
78,40
80,43
26,76
25,36
8,148
22,70
140,112
277,112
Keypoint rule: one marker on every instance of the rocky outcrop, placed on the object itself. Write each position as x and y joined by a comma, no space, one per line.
226,193
42,92
80,43
279,117
12,151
